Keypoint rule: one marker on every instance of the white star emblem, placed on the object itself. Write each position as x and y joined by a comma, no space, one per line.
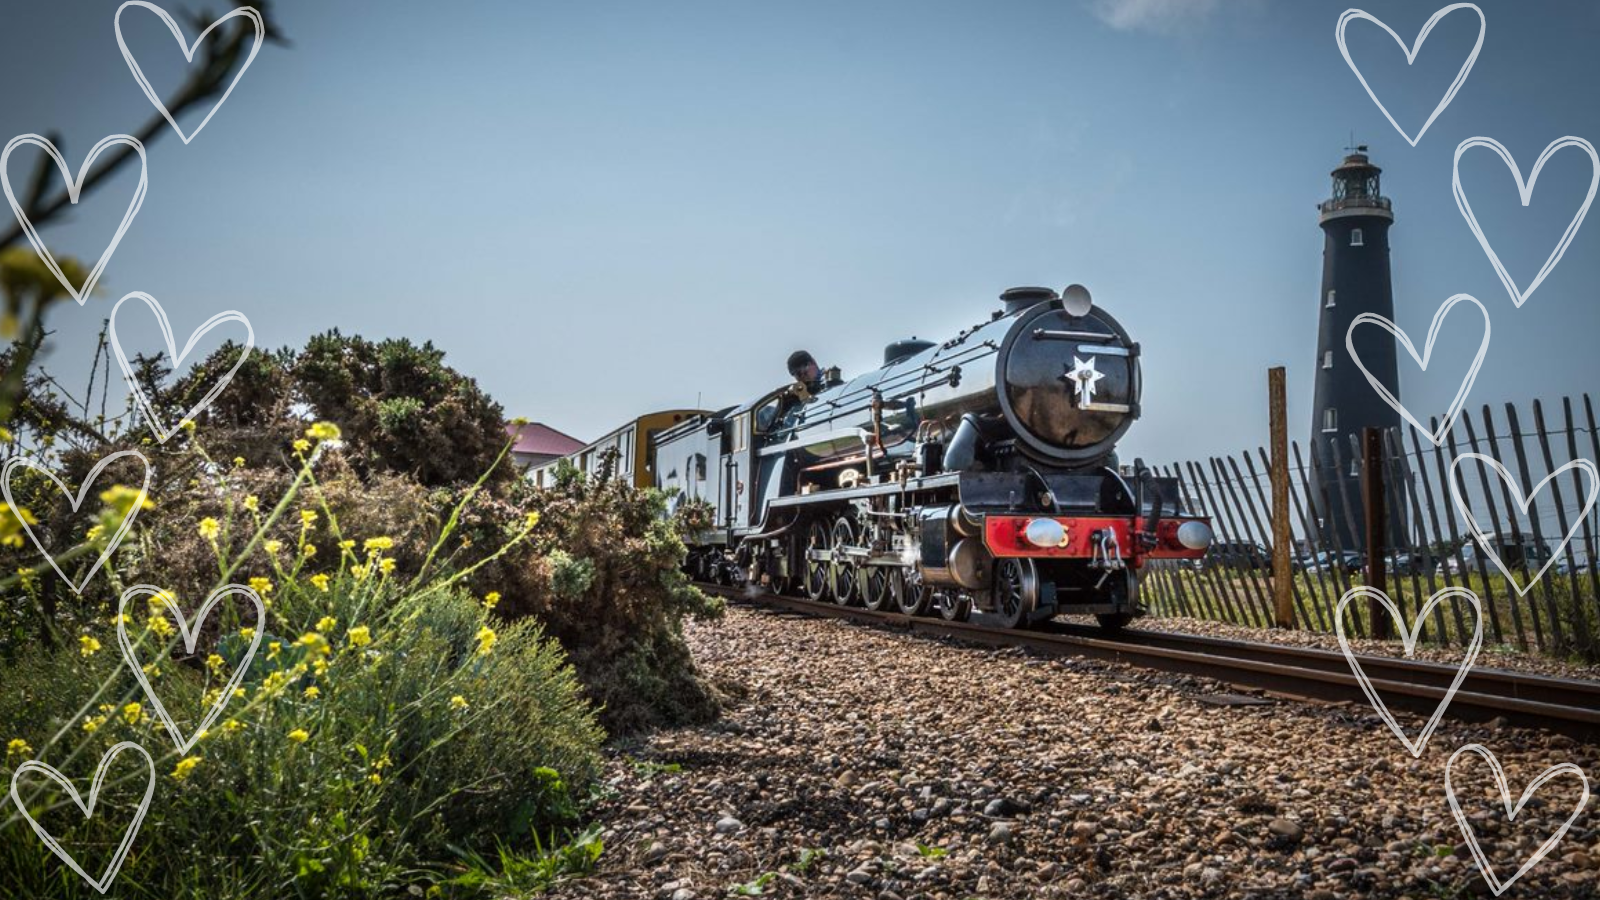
1084,375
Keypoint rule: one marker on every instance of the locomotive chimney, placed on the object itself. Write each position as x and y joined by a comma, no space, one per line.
1018,299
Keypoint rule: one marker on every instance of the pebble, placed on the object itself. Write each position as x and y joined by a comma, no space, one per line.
882,765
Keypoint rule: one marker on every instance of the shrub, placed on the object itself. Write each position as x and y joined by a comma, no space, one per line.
387,729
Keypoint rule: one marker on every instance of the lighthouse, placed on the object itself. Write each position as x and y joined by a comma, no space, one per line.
1355,279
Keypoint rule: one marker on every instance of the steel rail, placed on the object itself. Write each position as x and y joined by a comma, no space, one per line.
1565,706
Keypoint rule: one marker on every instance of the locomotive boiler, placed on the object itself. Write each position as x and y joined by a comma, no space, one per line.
975,473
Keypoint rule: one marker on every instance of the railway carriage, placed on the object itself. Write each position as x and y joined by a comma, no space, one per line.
633,444
975,473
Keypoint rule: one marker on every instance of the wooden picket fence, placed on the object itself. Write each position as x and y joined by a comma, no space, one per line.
1559,615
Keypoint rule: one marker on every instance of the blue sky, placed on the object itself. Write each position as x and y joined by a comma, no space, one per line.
602,208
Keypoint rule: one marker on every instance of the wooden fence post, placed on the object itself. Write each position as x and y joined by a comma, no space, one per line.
1282,536
1377,516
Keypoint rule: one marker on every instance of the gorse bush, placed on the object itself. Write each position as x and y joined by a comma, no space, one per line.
391,730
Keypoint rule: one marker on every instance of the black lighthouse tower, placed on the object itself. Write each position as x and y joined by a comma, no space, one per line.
1355,279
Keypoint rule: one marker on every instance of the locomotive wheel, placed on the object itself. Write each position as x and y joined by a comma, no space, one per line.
910,595
844,578
952,606
818,584
1013,584
878,587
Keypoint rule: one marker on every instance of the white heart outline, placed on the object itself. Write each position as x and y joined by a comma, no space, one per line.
77,503
1408,639
1460,400
74,188
110,874
1526,192
189,638
1511,813
139,396
1523,503
188,54
1351,15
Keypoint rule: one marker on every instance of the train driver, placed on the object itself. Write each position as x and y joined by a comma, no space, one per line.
806,373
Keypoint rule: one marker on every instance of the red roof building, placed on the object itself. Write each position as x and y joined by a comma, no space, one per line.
538,443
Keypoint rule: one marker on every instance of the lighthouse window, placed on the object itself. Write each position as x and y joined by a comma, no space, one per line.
1331,297
1330,419
1327,360
1357,239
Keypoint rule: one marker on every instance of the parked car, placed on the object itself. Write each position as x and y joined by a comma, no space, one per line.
1237,555
1514,555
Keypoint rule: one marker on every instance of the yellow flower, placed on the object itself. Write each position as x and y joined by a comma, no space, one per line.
323,431
299,736
346,545
132,712
238,462
88,646
308,518
533,519
210,697
320,580
308,550
273,649
313,642
122,498
319,666
312,692
360,570
187,425
491,599
486,639
386,565
160,625
184,767
373,545
93,723
326,624
252,503
458,702
301,445
238,692
272,546
18,747
209,529
214,662
262,586
360,636
247,633
232,725
12,519
95,532
375,778
152,669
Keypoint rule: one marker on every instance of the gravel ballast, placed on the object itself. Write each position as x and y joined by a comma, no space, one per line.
857,762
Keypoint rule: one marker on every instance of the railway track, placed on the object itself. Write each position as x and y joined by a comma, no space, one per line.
1565,706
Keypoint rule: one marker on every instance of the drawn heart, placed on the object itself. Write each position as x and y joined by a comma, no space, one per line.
1495,884
74,188
77,503
189,634
1351,15
188,54
1526,192
110,874
140,397
1427,353
1408,639
1523,503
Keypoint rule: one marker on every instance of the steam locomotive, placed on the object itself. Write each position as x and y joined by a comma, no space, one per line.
977,473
